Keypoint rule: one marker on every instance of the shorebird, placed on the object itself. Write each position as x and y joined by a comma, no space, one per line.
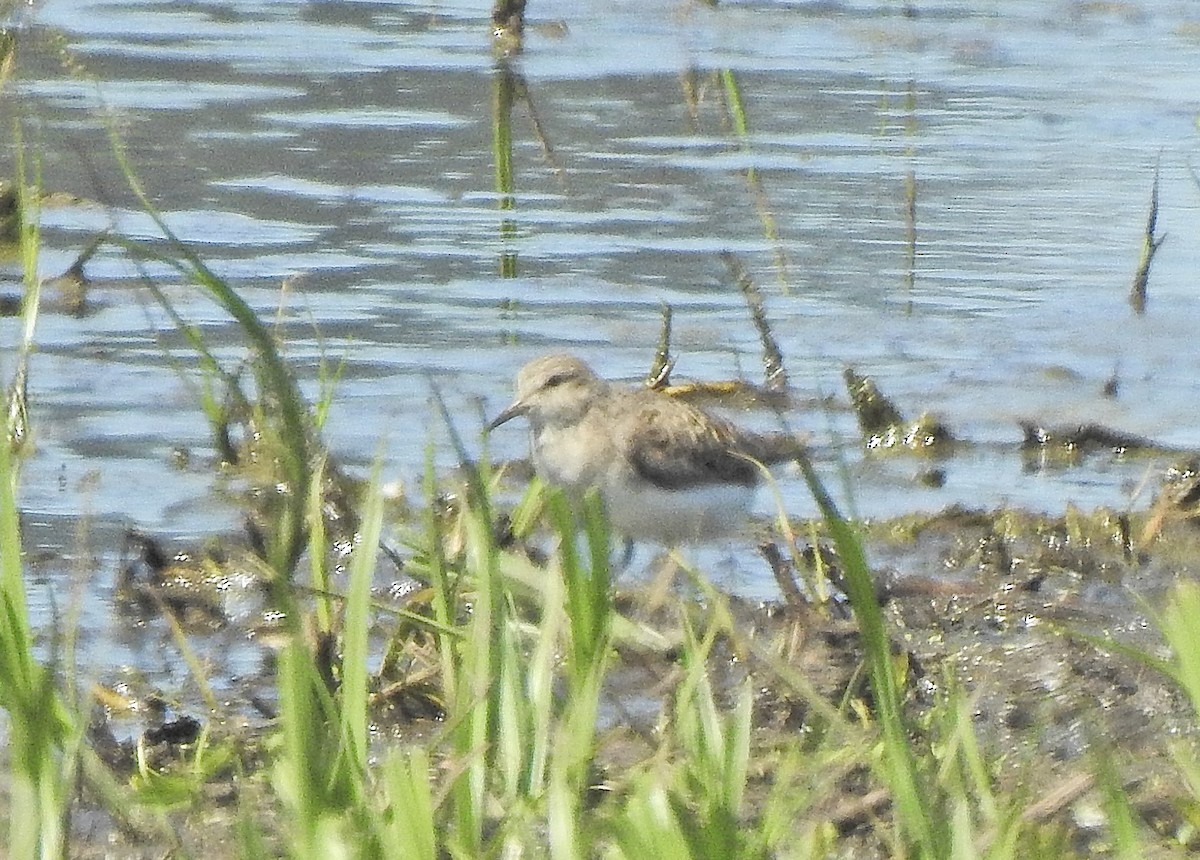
666,471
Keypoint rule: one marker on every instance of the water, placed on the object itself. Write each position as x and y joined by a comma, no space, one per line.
345,150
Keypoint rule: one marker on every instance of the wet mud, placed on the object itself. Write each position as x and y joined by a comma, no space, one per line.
1030,618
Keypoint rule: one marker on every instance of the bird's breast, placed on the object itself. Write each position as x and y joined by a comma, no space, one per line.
570,457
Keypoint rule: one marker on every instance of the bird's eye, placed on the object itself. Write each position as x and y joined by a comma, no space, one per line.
556,380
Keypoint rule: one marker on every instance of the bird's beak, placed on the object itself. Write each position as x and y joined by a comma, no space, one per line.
515,408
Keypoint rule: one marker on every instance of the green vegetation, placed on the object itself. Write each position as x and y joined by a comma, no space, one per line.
40,730
738,750
524,759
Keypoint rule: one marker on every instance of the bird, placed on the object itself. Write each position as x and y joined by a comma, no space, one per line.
666,471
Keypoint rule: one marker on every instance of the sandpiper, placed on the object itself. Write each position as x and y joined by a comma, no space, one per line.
667,471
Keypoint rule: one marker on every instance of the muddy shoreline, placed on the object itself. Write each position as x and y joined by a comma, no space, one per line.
1010,609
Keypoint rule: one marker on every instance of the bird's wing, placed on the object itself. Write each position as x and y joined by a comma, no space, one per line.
677,446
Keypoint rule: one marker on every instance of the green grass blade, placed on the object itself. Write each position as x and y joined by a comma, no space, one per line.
353,691
649,827
1121,817
737,110
39,722
539,681
1183,634
912,800
443,601
504,85
737,748
318,548
413,825
15,629
287,542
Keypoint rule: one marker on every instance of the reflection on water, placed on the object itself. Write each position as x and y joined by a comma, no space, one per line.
959,195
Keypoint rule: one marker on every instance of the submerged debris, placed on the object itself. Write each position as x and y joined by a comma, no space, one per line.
248,448
884,427
197,587
177,732
70,290
876,414
1066,445
1177,501
1181,485
508,27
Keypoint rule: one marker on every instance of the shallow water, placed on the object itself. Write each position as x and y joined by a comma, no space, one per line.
345,150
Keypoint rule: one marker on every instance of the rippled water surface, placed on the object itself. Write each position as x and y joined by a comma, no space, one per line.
334,161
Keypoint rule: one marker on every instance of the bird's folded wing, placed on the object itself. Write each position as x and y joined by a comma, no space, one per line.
677,447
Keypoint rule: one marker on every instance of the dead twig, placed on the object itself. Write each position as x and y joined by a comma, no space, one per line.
1137,295
508,26
784,578
775,377
660,371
